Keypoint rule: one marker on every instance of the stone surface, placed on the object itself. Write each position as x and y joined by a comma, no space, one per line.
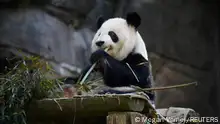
179,115
79,6
168,73
174,29
185,32
38,33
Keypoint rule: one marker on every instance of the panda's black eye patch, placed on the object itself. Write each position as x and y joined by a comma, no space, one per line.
113,36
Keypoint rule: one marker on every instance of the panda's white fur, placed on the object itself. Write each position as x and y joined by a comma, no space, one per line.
129,39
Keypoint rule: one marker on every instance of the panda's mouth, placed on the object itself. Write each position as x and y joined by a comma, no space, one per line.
108,48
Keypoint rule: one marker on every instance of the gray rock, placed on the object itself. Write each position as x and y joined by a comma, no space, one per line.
105,8
80,6
181,29
168,73
184,32
36,32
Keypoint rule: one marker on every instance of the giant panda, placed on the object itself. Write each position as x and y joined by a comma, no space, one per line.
126,61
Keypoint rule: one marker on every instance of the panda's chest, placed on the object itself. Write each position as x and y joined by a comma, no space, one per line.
134,59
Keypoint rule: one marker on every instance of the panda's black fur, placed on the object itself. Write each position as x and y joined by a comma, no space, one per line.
133,70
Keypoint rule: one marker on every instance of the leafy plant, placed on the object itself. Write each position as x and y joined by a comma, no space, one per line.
22,83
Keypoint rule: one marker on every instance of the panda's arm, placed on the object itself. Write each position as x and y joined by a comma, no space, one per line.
134,70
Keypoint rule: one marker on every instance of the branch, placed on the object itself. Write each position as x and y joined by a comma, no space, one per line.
164,88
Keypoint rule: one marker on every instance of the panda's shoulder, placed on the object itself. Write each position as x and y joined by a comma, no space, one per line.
135,59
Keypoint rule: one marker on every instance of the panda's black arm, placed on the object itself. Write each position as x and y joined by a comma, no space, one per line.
134,70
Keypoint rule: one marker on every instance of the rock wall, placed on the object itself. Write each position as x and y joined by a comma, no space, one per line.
184,34
203,97
182,39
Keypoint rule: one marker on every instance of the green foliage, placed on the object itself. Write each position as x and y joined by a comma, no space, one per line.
22,83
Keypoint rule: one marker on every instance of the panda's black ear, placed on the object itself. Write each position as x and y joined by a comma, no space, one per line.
100,21
133,19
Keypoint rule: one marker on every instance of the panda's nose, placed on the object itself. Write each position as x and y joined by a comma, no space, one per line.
99,43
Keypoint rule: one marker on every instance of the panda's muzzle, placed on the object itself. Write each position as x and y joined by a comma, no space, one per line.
99,43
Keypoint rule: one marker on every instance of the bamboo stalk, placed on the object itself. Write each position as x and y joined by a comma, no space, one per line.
166,87
87,73
91,68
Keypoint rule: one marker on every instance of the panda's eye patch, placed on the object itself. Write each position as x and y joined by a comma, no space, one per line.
113,36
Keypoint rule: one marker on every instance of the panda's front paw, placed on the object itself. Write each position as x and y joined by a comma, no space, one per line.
97,55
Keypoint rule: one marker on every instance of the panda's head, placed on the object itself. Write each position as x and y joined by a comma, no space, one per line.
118,34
